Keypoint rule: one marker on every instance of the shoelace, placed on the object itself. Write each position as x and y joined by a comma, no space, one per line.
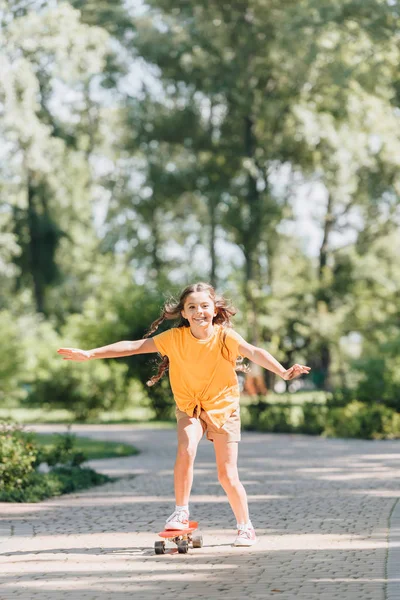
180,516
244,533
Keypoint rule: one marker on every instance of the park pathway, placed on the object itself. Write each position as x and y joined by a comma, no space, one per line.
326,512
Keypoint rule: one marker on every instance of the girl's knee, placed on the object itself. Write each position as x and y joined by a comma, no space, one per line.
186,452
228,477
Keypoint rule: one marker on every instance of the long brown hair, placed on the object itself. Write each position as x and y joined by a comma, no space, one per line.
172,310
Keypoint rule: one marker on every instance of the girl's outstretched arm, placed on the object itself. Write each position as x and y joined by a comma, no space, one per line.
265,359
112,351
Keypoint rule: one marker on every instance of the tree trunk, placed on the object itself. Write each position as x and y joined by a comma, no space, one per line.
251,236
323,295
328,226
35,247
255,383
155,248
212,210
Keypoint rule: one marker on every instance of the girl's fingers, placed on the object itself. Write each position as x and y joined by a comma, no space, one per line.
296,370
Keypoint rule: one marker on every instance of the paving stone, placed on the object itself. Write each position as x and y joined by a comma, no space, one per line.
321,508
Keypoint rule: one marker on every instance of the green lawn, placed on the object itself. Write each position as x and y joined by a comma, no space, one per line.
93,449
140,417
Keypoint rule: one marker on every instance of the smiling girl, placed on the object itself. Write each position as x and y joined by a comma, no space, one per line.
201,354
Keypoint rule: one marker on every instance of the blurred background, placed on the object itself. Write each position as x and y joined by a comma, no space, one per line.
252,144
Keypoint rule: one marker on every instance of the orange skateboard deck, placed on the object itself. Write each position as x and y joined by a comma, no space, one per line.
181,537
171,533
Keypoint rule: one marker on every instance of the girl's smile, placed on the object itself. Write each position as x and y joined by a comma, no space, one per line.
200,311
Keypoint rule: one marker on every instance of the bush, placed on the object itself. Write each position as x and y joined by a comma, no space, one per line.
62,480
63,452
12,364
379,374
359,420
84,388
356,420
313,419
20,458
33,374
340,397
274,418
161,400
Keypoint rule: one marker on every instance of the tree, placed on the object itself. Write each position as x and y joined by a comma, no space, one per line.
43,55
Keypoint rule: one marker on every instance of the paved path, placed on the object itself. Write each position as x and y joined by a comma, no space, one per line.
322,508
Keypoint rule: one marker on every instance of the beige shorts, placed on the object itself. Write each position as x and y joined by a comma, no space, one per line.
230,429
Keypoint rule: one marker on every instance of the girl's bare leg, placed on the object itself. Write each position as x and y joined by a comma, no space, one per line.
190,432
226,454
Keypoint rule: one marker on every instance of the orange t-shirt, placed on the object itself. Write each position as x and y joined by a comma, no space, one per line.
202,372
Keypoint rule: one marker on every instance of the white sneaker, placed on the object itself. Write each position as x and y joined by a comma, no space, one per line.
245,537
179,520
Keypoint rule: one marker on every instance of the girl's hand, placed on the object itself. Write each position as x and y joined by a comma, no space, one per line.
295,371
74,354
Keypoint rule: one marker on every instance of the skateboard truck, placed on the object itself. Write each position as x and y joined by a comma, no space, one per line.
181,537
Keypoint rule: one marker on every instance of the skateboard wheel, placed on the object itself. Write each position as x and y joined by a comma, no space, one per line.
159,547
198,541
183,547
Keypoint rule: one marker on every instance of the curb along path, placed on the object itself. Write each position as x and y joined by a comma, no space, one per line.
321,508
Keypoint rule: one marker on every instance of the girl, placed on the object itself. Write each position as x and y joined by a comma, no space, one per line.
201,354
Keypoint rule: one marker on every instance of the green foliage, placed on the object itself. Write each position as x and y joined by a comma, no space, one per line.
89,448
313,419
355,420
62,480
364,421
86,389
20,456
63,452
161,400
12,363
379,371
41,50
191,170
274,418
39,377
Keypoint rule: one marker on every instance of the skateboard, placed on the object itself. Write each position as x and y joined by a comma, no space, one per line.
182,538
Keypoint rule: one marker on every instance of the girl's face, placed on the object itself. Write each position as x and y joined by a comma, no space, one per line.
199,310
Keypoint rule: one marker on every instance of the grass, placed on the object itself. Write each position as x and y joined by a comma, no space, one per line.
295,399
140,416
93,449
134,416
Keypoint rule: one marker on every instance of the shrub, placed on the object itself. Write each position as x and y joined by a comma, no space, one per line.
340,397
161,400
63,452
313,418
274,418
356,420
84,388
379,374
359,420
12,364
62,480
18,458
